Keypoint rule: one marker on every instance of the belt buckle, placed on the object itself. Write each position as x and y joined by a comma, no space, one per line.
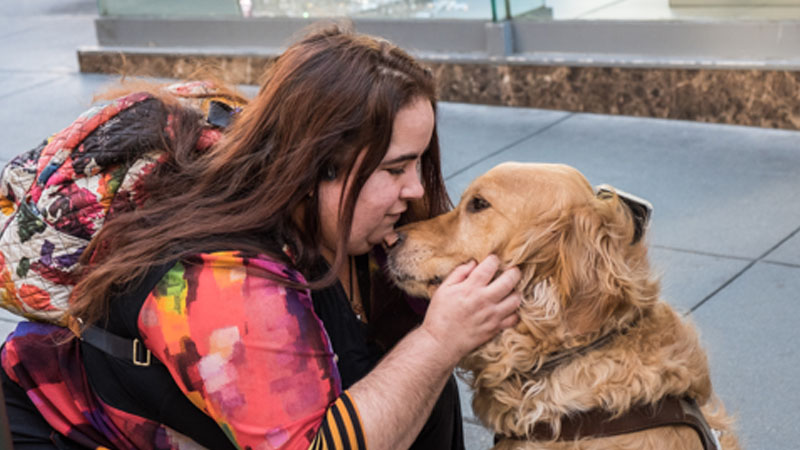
135,359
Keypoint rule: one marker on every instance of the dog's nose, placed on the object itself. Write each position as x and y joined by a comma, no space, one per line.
394,240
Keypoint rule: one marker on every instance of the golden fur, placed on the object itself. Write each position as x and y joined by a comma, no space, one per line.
581,278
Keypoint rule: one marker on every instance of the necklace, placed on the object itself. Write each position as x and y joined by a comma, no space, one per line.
355,303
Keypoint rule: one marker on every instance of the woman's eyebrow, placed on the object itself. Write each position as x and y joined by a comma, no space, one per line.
401,158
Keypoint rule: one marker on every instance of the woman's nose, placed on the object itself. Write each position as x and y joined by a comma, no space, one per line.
413,189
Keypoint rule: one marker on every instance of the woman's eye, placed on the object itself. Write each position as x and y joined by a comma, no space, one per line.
477,204
395,171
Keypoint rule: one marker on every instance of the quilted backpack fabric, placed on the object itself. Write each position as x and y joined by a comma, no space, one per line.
56,197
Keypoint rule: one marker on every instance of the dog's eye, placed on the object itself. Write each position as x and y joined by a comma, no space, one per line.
477,204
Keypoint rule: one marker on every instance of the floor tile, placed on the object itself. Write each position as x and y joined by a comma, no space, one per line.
17,83
465,394
468,133
688,278
8,316
788,252
11,26
24,51
477,437
36,114
751,334
6,327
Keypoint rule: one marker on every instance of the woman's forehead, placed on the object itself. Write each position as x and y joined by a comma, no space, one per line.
411,132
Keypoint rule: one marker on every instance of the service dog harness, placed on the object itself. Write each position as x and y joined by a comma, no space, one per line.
599,422
595,423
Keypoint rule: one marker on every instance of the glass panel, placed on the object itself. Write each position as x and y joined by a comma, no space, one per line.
705,10
169,8
401,9
529,9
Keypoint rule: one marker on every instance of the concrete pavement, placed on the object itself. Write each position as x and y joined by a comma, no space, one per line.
724,234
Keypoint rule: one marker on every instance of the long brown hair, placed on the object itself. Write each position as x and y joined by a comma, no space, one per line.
326,98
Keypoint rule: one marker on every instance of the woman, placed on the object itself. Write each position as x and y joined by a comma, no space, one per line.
252,278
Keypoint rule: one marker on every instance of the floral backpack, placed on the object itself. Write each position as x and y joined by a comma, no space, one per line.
55,197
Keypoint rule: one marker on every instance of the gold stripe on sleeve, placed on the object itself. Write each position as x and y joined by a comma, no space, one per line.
349,429
340,428
355,420
334,428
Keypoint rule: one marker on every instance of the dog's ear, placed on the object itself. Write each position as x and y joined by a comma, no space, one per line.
640,209
599,273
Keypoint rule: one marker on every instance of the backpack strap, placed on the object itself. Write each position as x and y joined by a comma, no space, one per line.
127,348
132,350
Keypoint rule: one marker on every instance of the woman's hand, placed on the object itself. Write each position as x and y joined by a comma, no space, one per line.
469,308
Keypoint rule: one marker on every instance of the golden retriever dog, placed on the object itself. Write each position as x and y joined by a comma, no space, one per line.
597,359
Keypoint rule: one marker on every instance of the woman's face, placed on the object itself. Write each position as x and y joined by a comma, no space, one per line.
387,191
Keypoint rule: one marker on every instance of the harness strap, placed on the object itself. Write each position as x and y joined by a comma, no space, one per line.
669,411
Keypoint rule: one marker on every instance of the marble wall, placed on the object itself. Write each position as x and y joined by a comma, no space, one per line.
764,98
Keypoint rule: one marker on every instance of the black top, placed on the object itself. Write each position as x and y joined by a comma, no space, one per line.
357,353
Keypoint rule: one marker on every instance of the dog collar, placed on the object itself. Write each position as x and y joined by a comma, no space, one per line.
556,358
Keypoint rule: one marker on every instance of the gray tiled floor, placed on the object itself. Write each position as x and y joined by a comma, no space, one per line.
788,252
16,83
39,42
470,134
750,330
7,324
54,102
725,228
688,278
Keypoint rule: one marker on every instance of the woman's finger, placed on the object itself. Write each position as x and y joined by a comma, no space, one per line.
509,321
504,283
509,305
485,271
459,274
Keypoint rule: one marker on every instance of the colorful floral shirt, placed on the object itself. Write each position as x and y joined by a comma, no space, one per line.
247,351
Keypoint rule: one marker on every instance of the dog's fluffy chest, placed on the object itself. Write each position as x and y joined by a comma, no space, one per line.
660,356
